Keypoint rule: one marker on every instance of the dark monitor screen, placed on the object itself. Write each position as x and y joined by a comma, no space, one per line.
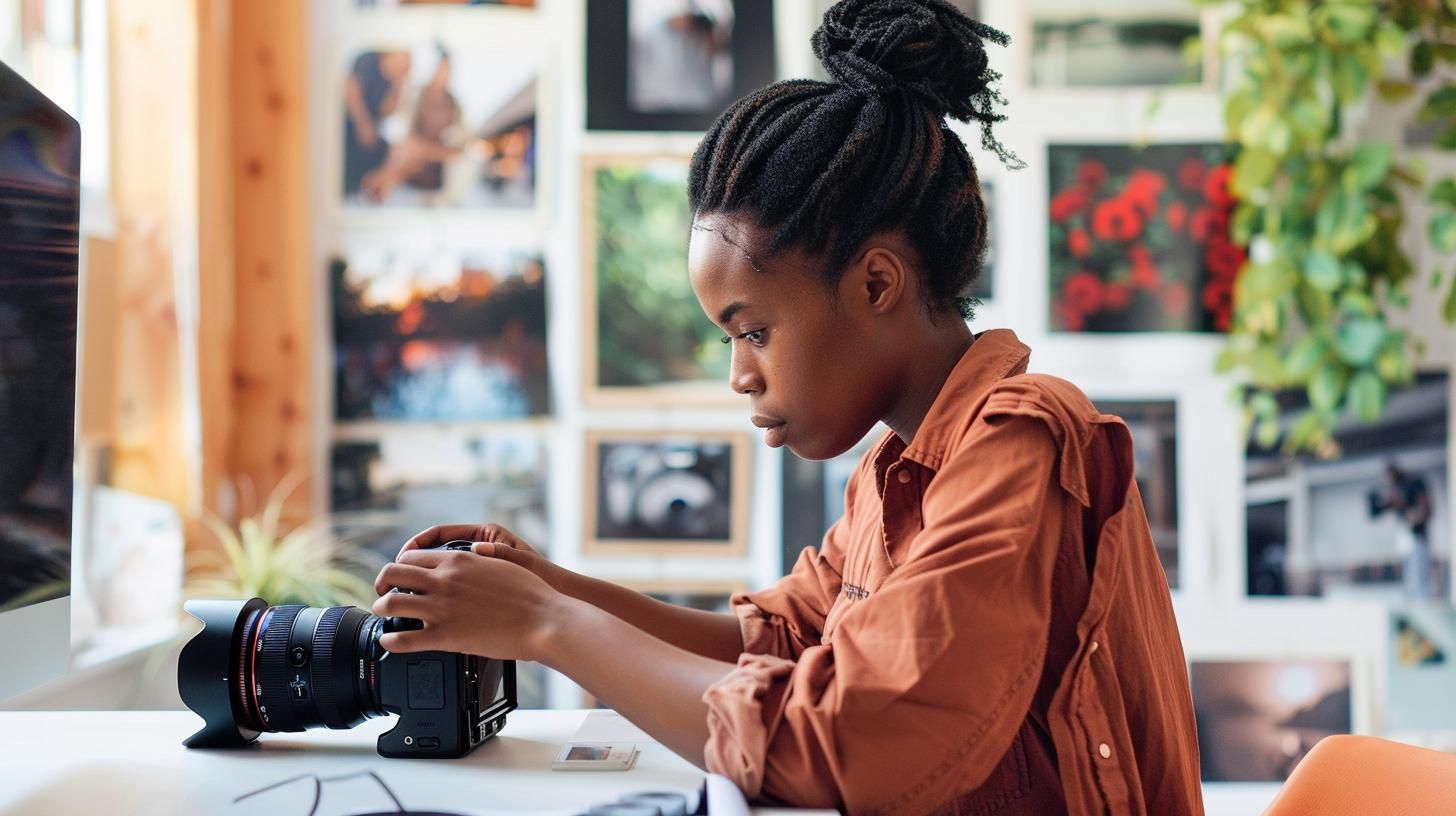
40,152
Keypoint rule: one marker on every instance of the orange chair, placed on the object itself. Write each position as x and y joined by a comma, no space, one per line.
1365,776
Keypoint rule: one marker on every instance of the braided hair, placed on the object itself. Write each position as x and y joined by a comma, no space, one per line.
828,164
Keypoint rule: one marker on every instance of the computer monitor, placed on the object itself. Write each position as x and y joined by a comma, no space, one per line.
40,152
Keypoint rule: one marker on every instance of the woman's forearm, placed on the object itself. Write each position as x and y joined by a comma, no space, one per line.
654,684
709,634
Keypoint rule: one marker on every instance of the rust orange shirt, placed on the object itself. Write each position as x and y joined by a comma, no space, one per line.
987,628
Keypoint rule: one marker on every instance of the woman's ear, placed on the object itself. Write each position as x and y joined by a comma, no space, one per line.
878,280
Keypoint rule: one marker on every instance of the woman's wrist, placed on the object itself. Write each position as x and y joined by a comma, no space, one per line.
560,617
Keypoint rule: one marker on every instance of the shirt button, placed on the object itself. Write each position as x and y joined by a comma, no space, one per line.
1105,751
903,476
1092,648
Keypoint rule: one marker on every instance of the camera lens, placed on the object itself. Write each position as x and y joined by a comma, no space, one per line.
289,668
334,685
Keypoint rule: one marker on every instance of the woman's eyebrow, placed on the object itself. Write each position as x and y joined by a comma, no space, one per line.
730,310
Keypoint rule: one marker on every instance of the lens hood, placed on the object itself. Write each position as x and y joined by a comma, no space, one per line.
205,679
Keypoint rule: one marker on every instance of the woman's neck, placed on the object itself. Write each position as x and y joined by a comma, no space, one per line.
938,355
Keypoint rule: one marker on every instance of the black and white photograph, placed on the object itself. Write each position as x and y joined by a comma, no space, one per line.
1154,428
385,490
444,124
661,493
673,64
1135,43
1258,718
439,335
1368,524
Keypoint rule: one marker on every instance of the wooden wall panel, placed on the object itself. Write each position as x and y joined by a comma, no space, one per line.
271,378
153,98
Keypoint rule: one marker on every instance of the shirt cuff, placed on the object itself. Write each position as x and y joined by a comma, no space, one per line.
761,635
741,707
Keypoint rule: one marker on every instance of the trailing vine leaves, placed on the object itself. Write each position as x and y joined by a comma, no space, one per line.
1320,210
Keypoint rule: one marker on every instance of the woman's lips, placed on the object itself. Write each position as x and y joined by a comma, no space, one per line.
774,436
774,429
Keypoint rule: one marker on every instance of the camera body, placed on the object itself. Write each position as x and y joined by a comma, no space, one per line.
256,668
447,703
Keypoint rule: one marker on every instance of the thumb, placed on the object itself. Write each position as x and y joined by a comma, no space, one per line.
496,549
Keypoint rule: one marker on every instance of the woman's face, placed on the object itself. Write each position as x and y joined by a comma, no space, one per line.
805,361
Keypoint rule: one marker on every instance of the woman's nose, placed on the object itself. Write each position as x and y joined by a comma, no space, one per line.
743,375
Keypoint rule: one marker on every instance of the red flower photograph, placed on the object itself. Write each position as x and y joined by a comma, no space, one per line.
1140,238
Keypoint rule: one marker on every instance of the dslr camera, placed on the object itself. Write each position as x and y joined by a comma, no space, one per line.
256,668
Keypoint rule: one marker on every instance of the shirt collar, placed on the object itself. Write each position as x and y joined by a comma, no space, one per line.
994,355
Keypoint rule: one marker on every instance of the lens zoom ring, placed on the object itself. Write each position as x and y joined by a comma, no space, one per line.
322,663
273,669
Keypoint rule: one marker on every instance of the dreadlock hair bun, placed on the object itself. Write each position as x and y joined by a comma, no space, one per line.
826,165
924,47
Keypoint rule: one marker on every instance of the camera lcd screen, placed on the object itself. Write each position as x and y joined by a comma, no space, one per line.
491,688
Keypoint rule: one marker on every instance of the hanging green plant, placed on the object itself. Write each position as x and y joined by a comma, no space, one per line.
1321,212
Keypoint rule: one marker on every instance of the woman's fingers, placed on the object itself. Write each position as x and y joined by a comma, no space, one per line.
415,640
404,576
441,533
400,605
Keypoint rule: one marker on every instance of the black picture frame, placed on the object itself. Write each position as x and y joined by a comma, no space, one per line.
607,55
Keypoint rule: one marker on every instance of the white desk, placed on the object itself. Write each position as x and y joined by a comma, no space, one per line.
133,762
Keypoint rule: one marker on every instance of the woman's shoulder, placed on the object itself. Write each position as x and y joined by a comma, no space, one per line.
1042,395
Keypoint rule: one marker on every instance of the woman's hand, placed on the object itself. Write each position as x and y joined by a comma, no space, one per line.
470,602
489,539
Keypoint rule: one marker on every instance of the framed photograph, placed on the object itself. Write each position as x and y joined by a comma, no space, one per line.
1258,718
660,65
813,496
443,124
1421,669
667,494
1139,239
1371,523
1141,43
645,339
389,488
439,335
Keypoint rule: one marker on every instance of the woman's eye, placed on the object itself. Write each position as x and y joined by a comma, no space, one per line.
755,337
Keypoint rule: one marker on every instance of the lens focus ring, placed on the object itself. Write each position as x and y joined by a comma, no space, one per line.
272,677
323,664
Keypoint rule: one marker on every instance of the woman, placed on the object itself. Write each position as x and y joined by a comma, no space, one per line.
987,628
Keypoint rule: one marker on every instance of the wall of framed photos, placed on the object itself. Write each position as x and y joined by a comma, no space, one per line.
504,320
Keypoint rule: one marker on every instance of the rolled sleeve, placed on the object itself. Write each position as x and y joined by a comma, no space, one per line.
925,682
742,707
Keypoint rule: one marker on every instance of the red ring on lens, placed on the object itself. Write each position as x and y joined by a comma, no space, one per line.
245,702
252,668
